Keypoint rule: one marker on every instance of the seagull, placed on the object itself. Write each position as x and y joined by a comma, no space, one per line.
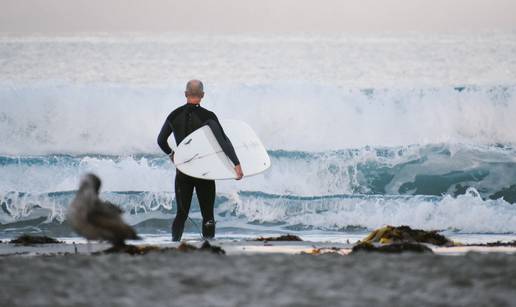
95,219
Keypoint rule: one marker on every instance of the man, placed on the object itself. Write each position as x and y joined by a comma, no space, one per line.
183,121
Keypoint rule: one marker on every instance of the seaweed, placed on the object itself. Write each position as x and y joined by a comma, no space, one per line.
392,234
394,248
323,251
145,249
287,237
132,249
206,246
26,239
392,239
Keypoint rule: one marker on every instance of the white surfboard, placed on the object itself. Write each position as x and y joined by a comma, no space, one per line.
200,155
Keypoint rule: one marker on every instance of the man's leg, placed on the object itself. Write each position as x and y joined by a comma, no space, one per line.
184,190
205,190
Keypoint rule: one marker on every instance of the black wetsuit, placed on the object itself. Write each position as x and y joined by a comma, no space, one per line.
183,121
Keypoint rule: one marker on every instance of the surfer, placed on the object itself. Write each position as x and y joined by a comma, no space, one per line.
181,122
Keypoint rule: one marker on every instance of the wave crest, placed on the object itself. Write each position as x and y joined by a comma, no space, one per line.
153,212
121,119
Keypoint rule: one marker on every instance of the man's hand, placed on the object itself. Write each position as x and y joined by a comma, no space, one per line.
238,171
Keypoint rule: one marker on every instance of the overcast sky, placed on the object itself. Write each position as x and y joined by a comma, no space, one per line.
62,16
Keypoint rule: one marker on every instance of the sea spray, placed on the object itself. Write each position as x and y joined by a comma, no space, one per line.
122,119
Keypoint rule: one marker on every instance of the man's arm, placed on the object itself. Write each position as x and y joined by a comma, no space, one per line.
225,144
163,136
223,140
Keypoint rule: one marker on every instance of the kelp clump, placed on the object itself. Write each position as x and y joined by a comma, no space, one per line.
31,240
287,237
393,248
145,249
392,239
393,234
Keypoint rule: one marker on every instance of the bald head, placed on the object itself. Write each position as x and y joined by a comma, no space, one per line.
194,88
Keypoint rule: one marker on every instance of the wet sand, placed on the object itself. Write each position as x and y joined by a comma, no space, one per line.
236,247
255,274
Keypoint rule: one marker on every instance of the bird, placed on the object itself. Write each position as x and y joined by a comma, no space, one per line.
95,219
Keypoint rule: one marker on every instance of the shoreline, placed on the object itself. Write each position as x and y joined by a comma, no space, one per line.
234,247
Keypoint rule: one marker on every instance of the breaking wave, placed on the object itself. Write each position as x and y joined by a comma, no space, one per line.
410,170
152,212
120,119
362,131
461,188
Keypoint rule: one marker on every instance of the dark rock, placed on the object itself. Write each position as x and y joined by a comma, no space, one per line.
30,240
394,248
392,234
288,237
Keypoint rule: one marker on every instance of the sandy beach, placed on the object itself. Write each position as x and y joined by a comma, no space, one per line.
252,274
256,274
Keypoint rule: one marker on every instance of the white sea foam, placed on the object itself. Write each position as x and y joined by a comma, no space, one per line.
465,213
110,94
124,120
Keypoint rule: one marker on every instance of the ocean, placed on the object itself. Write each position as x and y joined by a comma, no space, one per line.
362,130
